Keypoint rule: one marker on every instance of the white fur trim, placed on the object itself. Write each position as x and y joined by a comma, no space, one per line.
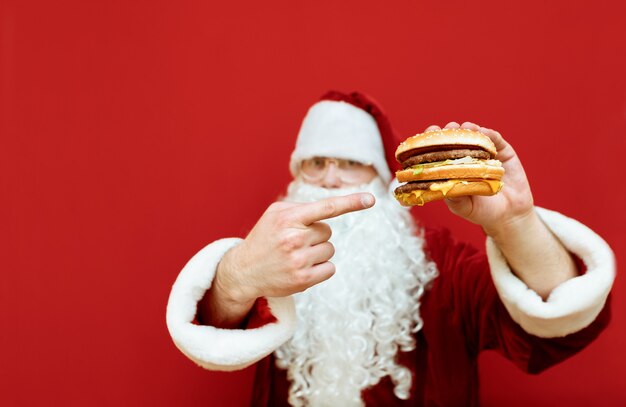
572,305
221,349
340,130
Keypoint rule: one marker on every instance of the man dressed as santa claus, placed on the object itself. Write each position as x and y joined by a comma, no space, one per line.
343,300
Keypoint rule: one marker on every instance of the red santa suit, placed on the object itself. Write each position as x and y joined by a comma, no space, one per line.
475,303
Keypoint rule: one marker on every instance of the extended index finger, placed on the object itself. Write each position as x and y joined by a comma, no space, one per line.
332,207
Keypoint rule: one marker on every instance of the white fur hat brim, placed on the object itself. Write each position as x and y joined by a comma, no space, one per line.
340,130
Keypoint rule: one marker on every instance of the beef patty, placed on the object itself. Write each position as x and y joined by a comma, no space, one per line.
412,186
445,155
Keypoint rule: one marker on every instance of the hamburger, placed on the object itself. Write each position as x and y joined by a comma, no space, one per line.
447,163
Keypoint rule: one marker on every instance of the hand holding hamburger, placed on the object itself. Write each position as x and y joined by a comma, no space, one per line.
460,172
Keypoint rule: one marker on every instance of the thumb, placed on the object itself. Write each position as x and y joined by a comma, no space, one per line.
461,205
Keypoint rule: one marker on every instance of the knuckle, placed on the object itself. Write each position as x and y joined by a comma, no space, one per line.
290,241
277,207
282,212
297,261
283,219
329,208
301,280
280,222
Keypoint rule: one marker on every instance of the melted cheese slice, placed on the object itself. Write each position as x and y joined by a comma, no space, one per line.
404,197
445,187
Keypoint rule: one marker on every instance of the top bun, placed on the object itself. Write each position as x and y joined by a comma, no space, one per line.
451,138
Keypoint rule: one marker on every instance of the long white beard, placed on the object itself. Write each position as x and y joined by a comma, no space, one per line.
351,326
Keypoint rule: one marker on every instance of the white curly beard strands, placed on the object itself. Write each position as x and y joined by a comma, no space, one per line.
351,326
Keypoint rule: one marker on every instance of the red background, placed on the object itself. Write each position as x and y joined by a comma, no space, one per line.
129,127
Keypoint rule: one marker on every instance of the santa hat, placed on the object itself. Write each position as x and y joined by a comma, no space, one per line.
348,126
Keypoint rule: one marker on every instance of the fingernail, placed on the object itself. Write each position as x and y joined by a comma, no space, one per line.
367,200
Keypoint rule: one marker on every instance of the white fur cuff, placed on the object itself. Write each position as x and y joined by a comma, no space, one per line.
572,305
213,348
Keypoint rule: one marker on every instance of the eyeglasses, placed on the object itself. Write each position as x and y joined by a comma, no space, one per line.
348,171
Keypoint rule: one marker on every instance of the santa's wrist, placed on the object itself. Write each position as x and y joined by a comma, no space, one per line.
228,279
512,225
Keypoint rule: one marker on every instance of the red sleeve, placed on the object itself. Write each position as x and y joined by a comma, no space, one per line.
465,286
259,315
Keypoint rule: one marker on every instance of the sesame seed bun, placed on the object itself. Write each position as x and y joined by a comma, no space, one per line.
444,139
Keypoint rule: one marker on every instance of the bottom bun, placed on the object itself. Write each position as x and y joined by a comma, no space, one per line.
449,189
